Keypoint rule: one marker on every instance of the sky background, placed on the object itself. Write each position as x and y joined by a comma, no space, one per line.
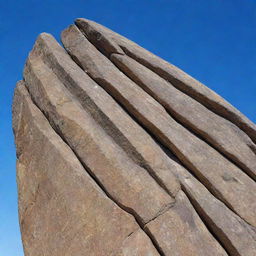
212,40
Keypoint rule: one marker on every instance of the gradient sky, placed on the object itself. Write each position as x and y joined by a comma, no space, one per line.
212,40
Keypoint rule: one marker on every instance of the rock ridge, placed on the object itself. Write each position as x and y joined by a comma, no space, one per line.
121,153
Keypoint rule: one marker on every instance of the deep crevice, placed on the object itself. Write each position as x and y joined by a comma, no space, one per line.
154,241
226,155
199,136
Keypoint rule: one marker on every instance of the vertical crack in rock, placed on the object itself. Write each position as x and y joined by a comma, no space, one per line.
231,250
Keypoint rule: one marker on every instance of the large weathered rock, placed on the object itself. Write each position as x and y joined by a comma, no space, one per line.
121,153
62,210
236,236
221,176
193,237
140,147
127,183
217,131
109,40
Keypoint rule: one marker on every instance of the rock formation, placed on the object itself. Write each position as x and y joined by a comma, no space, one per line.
121,153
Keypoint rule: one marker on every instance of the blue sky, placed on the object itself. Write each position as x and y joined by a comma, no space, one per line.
212,40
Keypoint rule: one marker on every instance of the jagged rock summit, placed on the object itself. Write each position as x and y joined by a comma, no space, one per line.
121,153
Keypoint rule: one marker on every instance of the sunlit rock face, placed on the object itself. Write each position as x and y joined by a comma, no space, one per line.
120,153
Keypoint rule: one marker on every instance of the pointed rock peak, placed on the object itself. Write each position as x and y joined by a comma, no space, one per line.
121,153
99,36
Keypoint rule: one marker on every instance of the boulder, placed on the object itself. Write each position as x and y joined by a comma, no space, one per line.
120,153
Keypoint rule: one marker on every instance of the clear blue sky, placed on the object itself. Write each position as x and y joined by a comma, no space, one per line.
212,40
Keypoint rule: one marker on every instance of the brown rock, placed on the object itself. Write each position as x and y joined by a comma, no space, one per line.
221,177
217,131
192,237
50,96
136,244
177,77
235,235
127,183
97,37
105,134
138,145
62,210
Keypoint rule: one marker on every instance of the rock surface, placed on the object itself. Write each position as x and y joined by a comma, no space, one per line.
122,153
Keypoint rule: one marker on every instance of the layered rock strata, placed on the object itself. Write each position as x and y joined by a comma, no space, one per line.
122,153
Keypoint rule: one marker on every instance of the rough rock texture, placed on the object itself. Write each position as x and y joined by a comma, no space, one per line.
122,153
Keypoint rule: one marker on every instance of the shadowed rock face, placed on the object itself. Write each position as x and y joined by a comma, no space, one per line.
121,153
